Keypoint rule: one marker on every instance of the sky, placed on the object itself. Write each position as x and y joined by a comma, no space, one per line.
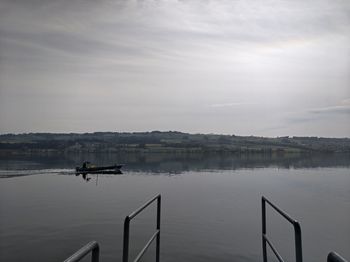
265,68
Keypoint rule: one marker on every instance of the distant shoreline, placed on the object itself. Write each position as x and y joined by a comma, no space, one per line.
166,142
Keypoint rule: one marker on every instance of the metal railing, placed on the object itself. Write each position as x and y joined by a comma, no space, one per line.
92,247
155,235
297,233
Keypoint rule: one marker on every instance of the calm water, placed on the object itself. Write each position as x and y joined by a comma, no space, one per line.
210,206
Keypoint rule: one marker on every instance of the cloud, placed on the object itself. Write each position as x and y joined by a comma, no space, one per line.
332,110
231,104
148,56
342,108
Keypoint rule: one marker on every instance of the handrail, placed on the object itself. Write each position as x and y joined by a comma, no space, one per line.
335,257
155,235
297,233
81,253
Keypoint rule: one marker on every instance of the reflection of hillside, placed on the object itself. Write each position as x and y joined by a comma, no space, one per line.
175,163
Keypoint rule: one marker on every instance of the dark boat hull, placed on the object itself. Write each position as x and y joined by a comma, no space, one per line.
114,168
110,172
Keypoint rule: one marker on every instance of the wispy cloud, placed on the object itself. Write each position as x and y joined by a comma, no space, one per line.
342,108
231,104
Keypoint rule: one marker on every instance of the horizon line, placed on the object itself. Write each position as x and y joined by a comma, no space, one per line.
167,131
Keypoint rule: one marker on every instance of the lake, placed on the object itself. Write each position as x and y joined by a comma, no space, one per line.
211,206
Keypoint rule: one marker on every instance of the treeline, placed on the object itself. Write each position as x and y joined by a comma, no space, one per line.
171,141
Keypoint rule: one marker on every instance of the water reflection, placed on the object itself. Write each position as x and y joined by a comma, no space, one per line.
176,163
206,215
87,176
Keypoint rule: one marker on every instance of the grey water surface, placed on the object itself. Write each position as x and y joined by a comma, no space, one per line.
211,206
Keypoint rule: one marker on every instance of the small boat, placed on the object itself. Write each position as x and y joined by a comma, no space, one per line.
88,168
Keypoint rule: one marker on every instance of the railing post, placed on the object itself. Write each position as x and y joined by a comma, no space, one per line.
126,239
298,245
263,218
158,228
156,235
297,232
95,256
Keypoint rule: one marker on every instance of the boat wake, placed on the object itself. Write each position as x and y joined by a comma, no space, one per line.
26,172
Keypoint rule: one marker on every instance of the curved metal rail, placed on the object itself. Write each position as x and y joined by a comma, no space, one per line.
92,247
297,232
156,235
335,257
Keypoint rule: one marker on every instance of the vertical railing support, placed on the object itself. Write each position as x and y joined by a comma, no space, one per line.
126,239
263,217
156,235
159,200
298,244
265,240
95,255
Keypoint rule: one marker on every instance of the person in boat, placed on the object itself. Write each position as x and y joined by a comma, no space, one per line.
85,164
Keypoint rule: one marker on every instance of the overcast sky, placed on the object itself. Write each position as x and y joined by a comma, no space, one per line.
267,68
